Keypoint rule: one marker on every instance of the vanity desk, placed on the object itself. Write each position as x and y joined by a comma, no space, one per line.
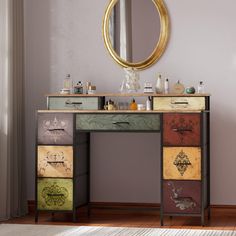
63,149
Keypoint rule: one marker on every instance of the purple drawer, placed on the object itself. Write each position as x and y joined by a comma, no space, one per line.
182,197
55,128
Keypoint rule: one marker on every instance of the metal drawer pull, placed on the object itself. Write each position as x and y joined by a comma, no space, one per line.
120,122
59,129
55,195
55,162
179,103
182,130
73,103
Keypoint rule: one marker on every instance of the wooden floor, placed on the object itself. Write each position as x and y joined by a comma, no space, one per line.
224,219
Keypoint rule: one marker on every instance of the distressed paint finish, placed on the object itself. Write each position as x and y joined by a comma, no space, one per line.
178,103
73,103
182,163
181,196
55,161
55,194
123,122
55,128
181,129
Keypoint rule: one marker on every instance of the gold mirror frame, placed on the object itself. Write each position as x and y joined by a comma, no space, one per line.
160,47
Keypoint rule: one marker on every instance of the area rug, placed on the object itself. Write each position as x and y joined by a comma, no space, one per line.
52,230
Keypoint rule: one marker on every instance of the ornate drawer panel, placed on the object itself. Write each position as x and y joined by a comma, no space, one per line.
119,122
181,129
178,103
55,194
74,103
55,128
55,161
182,163
182,196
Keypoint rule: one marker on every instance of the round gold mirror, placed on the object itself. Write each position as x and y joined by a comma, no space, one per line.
136,31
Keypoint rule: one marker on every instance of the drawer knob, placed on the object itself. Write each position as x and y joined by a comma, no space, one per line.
120,123
180,103
56,129
181,130
73,103
55,162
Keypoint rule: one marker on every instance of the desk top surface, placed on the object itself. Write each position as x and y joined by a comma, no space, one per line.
128,95
119,111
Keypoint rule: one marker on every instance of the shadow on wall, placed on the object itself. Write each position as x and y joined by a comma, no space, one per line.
37,68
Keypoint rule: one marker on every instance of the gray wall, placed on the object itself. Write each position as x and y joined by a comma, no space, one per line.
64,36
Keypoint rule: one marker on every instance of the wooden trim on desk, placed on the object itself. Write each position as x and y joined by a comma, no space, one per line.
128,206
121,111
129,95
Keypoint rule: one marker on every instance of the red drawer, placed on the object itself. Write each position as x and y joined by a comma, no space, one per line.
182,196
181,129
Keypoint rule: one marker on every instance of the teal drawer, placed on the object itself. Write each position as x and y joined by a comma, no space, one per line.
74,103
119,122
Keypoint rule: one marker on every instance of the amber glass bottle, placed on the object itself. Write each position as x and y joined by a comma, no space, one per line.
133,105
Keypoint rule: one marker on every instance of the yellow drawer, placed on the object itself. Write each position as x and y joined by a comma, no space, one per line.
182,163
55,194
178,103
55,161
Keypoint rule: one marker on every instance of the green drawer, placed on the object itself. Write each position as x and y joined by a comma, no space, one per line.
74,103
119,122
55,194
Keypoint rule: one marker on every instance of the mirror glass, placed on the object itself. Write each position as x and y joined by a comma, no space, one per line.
134,29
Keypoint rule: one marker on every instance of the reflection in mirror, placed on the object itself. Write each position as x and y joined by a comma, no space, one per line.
134,29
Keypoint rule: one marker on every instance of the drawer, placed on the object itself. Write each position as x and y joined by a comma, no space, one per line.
119,122
182,197
178,103
182,163
73,103
55,161
181,129
55,128
55,194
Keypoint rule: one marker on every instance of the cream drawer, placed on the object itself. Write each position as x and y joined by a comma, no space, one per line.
74,103
179,103
55,161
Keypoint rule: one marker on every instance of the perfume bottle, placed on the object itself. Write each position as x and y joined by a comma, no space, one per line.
166,86
133,105
159,88
200,88
148,104
68,83
178,88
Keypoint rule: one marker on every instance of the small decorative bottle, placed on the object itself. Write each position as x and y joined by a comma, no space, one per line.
133,105
178,88
148,104
200,88
166,86
68,83
159,88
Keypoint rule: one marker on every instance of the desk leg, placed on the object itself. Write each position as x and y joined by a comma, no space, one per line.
88,183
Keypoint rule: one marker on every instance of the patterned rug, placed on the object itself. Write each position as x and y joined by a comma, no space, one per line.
52,230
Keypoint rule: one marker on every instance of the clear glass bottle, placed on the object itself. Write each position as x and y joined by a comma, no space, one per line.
148,104
159,87
68,83
166,86
200,88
